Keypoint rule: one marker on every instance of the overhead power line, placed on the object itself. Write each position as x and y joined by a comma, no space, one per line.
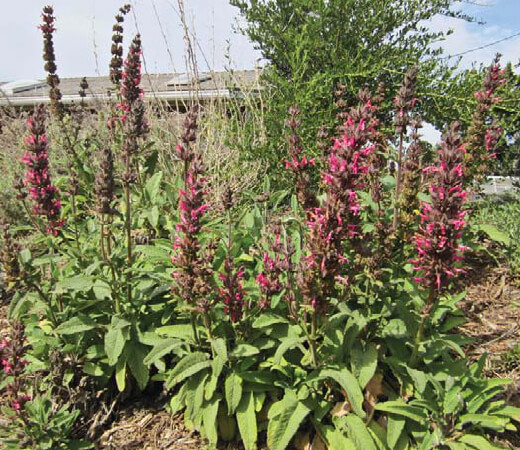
483,46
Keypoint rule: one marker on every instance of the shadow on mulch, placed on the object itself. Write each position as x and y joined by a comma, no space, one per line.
492,309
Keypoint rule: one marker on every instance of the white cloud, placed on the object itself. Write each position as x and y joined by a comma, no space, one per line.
469,37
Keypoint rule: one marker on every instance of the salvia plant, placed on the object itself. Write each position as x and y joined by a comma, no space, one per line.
326,314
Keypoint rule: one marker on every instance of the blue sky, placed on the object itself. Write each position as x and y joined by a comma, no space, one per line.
84,29
501,22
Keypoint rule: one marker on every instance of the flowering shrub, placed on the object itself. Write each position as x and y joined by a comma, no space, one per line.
329,308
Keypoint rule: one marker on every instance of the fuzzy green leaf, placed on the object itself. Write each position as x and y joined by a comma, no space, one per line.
182,331
152,185
285,420
161,349
75,284
121,374
209,420
267,319
114,344
493,233
477,442
219,346
243,350
187,366
77,324
402,409
394,429
233,389
286,345
350,385
333,437
246,419
484,420
364,362
135,354
358,432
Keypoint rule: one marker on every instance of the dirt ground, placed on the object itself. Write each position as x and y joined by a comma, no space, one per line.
492,308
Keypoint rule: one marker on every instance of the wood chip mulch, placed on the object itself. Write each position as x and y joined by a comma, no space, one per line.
147,429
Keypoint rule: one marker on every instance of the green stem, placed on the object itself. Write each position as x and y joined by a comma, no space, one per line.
47,300
194,328
128,226
75,222
33,221
207,324
312,342
425,315
398,180
102,237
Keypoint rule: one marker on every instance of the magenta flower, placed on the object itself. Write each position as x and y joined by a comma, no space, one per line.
232,293
44,195
443,221
192,273
336,220
12,352
483,137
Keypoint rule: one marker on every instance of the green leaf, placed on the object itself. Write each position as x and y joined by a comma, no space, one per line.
285,345
209,420
509,411
394,429
334,438
121,374
152,185
155,253
153,216
364,363
75,284
285,419
243,350
93,369
182,331
114,344
493,233
419,379
187,366
350,385
233,388
135,354
358,432
102,290
161,349
400,408
395,328
267,319
477,442
219,347
484,420
246,419
77,324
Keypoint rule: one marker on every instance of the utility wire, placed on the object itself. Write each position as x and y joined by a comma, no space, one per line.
483,46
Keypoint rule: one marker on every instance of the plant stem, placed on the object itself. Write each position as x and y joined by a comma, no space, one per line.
425,315
128,226
102,237
312,342
398,180
207,324
75,222
194,328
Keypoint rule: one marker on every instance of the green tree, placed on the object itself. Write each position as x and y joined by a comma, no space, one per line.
312,45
